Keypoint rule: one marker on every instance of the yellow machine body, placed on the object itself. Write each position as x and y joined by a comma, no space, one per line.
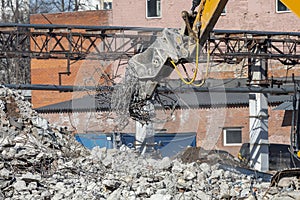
293,5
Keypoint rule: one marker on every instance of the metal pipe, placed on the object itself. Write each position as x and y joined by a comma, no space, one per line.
92,28
218,31
72,88
284,90
61,88
154,29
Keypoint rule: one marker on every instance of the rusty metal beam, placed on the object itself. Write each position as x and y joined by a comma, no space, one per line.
160,90
232,46
113,43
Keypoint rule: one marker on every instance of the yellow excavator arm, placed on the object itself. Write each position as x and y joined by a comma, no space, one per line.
172,48
208,14
293,5
167,51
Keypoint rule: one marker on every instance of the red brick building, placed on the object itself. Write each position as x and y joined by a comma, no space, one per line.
209,122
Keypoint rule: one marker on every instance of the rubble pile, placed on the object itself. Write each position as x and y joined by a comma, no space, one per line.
30,148
41,161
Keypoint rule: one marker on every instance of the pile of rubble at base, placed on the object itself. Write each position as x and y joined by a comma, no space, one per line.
40,161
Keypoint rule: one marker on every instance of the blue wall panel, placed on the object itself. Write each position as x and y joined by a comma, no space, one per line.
167,144
90,140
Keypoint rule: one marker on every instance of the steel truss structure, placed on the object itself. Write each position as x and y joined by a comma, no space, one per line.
232,46
73,42
114,42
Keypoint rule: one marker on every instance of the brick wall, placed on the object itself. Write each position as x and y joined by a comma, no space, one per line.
240,15
85,18
133,13
47,71
207,123
85,122
257,15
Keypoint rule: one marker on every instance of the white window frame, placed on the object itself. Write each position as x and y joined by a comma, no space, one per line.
278,11
224,12
108,3
225,134
156,17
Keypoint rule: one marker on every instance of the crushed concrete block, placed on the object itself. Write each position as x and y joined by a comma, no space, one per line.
130,195
217,174
40,122
285,182
203,196
177,167
59,186
6,142
295,194
107,161
161,197
57,196
183,184
20,185
29,177
165,163
205,168
111,184
14,122
91,186
68,192
4,173
189,174
32,186
115,194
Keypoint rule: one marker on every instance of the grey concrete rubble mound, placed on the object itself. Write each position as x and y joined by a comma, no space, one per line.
40,161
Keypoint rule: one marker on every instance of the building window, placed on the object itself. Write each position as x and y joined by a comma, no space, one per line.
153,9
223,11
280,7
107,5
232,136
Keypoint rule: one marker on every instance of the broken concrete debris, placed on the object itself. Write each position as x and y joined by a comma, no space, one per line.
40,161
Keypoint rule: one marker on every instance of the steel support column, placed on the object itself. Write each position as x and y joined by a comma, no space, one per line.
144,136
258,108
145,133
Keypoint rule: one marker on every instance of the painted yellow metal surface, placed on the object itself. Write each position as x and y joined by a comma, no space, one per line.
293,5
209,12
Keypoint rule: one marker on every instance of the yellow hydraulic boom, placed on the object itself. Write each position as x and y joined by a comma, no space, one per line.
293,5
208,14
173,48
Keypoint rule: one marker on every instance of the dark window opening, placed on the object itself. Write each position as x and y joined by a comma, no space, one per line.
153,8
107,5
223,11
281,7
232,136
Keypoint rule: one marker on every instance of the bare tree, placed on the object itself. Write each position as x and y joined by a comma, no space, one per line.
41,6
50,6
15,11
14,70
17,70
